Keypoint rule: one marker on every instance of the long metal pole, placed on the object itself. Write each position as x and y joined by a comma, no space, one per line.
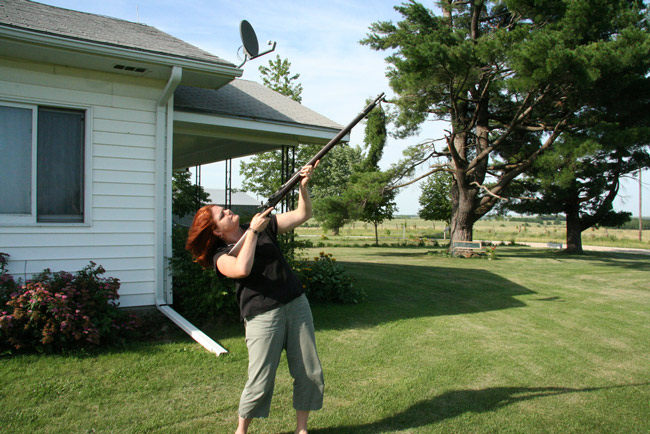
295,178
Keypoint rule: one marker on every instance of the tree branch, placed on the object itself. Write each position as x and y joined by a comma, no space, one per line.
437,168
525,164
519,116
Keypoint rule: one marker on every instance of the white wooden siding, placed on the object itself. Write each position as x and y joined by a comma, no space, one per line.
119,233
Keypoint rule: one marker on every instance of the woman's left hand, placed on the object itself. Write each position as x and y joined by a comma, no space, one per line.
306,173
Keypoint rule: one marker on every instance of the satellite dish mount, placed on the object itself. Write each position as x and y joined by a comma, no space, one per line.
251,46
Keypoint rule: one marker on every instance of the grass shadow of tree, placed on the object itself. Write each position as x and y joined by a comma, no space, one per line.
397,291
455,403
613,259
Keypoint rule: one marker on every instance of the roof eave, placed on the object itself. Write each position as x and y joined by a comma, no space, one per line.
202,138
302,132
103,57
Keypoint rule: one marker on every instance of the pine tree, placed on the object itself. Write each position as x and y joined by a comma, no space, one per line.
510,77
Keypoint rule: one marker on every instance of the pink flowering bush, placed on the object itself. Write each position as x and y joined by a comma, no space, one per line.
55,311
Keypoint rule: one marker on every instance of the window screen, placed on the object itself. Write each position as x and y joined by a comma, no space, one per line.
60,165
15,160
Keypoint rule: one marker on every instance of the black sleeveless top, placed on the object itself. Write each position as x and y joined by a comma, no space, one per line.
271,282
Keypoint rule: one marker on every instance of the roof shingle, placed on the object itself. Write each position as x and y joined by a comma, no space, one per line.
245,98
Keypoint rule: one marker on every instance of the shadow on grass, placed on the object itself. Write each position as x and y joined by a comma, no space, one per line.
613,259
455,403
398,291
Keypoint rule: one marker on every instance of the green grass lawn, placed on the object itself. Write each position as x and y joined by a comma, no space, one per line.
533,342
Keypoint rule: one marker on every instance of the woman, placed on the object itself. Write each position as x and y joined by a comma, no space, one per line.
271,300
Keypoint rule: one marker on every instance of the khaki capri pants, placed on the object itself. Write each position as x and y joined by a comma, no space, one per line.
291,328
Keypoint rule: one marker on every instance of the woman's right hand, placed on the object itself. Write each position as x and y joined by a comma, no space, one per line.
260,220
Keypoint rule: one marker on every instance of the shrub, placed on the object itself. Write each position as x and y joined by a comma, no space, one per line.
56,311
491,252
325,280
199,294
8,285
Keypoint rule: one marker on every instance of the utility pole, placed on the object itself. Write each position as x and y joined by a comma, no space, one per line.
640,213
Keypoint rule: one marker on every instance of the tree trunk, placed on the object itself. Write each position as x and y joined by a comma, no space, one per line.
573,230
376,236
462,221
461,228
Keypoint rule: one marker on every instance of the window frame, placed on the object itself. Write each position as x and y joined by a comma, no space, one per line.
31,219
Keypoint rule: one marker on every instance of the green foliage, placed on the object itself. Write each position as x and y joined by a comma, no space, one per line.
511,78
199,294
375,139
325,280
369,199
332,212
634,224
277,76
186,197
263,174
366,196
8,285
61,311
330,182
435,197
334,171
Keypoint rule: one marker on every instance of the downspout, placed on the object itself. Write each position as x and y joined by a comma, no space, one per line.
164,149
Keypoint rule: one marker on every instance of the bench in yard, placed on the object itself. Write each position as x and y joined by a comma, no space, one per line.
466,249
554,245
472,245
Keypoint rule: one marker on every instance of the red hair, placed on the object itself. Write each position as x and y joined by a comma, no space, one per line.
201,241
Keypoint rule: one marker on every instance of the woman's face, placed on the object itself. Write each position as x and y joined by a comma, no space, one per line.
224,219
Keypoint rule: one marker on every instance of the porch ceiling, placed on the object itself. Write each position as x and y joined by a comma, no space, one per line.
240,119
202,139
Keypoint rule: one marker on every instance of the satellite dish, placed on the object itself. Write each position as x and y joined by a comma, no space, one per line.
249,40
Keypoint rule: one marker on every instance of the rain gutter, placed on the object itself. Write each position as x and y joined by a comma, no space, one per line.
164,148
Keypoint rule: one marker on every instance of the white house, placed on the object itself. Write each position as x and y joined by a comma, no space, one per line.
95,113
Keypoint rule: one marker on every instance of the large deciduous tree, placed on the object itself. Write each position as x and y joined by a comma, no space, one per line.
263,172
435,198
509,76
277,76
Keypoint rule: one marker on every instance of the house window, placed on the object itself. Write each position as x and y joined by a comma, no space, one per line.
42,158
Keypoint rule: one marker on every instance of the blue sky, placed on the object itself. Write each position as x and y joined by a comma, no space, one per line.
320,39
